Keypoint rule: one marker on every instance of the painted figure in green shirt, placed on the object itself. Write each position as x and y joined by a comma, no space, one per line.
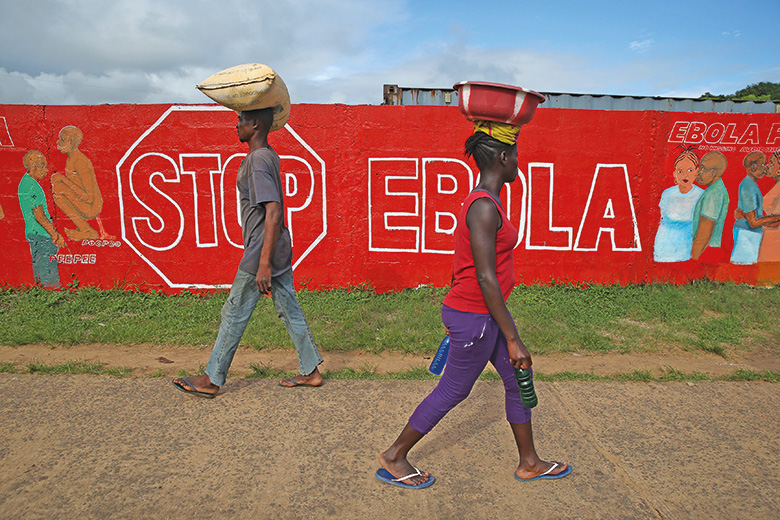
709,214
44,239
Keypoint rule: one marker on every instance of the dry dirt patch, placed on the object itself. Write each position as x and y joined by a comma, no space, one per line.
147,359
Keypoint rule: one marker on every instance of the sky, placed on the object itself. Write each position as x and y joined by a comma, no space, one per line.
344,51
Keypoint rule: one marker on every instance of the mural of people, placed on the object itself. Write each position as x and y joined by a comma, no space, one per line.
710,211
749,230
769,250
709,214
43,237
76,192
674,237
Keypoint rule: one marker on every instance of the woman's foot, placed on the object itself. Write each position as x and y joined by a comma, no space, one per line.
400,467
543,470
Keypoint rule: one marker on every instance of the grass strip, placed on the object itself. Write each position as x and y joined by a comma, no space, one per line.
667,375
67,367
555,318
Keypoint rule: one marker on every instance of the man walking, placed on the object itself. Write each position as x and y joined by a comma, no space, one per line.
265,267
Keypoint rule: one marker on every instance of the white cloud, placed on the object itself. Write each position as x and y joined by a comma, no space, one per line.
641,45
112,87
91,51
444,66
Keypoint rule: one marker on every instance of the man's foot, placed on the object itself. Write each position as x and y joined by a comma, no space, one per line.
197,385
545,470
78,235
400,468
102,231
313,379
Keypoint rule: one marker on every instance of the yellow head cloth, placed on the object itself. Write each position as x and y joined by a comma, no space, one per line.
503,132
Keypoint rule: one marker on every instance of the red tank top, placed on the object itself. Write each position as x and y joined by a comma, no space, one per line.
465,294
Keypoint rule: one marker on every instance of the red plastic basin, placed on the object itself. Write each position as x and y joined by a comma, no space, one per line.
478,100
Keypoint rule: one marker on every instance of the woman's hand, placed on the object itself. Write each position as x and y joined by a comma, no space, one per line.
518,354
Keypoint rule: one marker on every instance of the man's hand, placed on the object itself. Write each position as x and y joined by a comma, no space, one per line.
263,279
58,240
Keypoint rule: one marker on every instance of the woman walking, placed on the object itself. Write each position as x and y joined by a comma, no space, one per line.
474,312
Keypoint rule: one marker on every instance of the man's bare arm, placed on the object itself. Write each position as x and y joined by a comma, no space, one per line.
273,221
83,171
703,236
40,216
766,220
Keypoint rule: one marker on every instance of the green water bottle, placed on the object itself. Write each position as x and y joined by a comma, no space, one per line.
525,381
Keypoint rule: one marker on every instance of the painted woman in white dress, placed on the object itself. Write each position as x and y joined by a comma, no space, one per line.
675,232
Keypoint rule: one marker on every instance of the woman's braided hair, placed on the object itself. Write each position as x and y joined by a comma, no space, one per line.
484,148
688,152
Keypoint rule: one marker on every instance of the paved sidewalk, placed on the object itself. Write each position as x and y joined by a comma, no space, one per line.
99,447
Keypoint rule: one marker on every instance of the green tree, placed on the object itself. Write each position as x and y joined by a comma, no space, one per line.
762,91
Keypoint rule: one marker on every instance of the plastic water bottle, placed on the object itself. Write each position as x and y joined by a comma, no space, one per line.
440,359
525,381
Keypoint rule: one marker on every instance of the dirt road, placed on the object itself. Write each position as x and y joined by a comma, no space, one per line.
146,360
101,447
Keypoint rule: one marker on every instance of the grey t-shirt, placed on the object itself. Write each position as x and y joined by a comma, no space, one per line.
259,181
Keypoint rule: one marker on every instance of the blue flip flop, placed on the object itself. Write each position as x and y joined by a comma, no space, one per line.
387,477
194,391
547,474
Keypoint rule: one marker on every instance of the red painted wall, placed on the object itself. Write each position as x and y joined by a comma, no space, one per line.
372,191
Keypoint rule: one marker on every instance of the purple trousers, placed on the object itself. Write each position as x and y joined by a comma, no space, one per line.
475,339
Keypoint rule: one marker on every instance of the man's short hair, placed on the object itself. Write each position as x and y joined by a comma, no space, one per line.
264,116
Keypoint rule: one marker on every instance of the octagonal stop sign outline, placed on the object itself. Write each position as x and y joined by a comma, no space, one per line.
178,201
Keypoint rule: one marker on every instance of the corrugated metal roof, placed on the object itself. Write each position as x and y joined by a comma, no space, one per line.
395,95
607,102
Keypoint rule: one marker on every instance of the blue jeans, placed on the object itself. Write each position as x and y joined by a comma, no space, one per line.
45,271
236,312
